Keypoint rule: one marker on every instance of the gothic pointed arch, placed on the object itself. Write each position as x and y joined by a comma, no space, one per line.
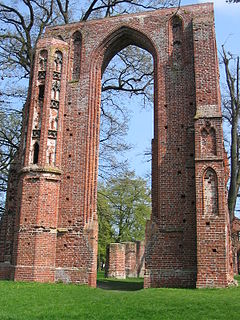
208,141
116,41
120,39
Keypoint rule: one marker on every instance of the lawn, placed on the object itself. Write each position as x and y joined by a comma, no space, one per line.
122,300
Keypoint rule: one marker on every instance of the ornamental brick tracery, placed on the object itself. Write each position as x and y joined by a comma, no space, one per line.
49,231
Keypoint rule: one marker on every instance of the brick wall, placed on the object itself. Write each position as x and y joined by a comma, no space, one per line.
50,234
235,233
125,260
116,261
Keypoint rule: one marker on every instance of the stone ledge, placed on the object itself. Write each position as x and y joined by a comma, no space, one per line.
209,159
208,111
37,169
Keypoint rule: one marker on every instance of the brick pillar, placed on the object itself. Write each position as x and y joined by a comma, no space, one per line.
140,258
170,251
130,259
116,261
214,265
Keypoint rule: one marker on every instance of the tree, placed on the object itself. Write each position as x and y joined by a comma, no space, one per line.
9,138
231,114
124,206
10,125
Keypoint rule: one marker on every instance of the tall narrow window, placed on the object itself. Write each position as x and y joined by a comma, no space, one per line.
43,60
55,91
176,39
77,46
208,142
58,61
210,192
35,153
41,89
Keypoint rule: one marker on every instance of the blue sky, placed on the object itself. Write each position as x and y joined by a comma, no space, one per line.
227,22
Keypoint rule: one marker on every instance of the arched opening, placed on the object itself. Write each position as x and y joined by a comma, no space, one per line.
77,48
43,60
55,91
176,39
35,153
208,142
123,190
58,62
210,192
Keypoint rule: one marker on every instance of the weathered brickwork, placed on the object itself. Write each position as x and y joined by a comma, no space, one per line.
235,228
125,260
140,258
49,231
116,261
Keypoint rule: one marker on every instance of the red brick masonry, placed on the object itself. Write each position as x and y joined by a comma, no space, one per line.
49,231
236,244
125,260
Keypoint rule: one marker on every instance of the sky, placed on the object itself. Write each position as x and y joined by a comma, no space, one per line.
227,23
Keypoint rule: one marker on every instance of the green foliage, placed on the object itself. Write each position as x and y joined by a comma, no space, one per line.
124,206
27,301
10,123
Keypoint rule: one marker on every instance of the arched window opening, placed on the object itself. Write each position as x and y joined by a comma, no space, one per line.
77,48
35,153
58,62
55,95
176,39
208,141
210,192
41,90
128,105
176,24
43,60
60,37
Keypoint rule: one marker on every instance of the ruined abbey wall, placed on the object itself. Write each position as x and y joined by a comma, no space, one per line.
49,231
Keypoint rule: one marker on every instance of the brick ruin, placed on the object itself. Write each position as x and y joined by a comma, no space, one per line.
125,260
49,230
235,228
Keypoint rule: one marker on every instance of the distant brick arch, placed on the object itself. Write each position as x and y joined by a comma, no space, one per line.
49,231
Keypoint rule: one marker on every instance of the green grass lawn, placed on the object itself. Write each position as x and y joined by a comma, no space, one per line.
59,301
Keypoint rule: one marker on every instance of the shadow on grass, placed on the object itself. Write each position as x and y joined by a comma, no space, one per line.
119,285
